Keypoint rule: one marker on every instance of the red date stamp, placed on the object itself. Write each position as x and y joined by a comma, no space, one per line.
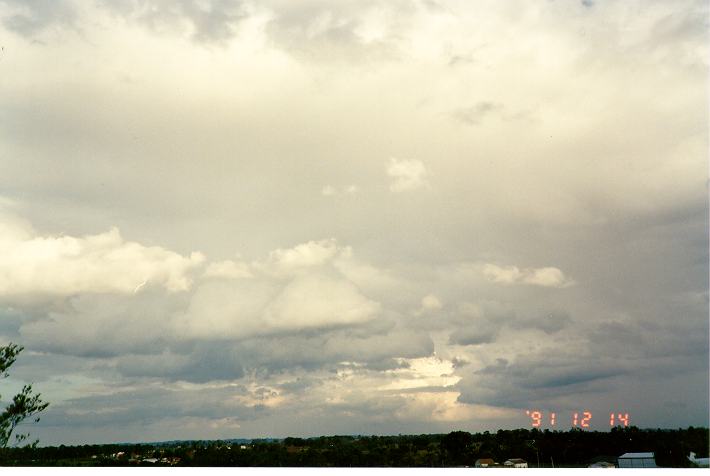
578,419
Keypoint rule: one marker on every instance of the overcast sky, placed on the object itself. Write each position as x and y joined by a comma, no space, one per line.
247,219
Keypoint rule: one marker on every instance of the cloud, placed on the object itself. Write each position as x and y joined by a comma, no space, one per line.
537,379
207,362
406,175
151,403
329,190
179,159
429,304
301,258
367,344
65,265
546,277
241,309
207,21
105,325
292,290
30,18
474,115
317,301
347,31
473,336
550,322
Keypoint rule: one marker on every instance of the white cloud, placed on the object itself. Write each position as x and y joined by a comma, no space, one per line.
317,301
226,309
294,288
547,277
328,190
429,303
550,277
245,308
290,261
422,372
101,263
406,174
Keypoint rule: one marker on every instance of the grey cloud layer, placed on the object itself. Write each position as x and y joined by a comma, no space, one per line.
528,223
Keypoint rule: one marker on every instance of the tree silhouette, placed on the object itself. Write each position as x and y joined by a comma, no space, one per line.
24,405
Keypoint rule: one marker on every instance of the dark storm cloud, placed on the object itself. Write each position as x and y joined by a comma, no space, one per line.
472,336
378,350
206,362
485,328
532,379
150,403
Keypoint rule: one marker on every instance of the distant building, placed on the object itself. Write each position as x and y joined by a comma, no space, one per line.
484,463
602,461
516,463
637,460
700,462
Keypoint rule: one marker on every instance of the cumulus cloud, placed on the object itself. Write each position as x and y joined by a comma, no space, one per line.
64,265
300,258
406,174
238,310
546,277
317,301
293,289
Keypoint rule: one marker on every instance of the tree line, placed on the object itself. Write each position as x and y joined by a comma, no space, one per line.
574,448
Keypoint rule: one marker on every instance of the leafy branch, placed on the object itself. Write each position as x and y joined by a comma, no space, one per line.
25,405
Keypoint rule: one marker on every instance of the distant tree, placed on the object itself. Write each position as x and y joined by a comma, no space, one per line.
23,406
458,447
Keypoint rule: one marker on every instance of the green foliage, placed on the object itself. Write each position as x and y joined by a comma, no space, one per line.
25,405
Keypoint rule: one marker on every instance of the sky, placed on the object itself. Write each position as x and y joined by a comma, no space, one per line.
267,219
